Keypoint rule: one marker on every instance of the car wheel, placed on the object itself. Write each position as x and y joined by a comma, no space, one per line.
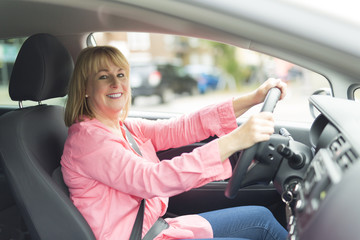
193,91
167,95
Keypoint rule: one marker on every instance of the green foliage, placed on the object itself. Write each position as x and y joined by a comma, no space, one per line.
225,57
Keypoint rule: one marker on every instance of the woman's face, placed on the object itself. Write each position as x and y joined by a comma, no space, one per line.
107,92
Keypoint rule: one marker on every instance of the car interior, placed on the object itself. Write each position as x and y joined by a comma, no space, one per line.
306,174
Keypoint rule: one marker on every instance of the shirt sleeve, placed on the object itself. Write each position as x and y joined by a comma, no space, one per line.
107,160
213,120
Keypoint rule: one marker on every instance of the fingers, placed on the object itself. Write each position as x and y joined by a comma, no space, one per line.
257,128
261,126
271,83
276,82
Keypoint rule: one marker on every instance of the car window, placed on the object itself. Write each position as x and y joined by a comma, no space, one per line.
9,48
357,95
208,72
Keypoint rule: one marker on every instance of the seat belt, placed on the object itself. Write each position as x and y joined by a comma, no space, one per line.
131,140
138,225
160,224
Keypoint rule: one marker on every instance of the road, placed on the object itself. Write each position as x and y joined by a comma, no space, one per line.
292,108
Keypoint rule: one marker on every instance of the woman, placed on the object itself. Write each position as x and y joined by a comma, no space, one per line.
107,179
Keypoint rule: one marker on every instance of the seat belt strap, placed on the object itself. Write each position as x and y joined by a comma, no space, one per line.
131,140
138,225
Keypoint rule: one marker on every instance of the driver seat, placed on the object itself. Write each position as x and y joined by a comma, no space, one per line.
32,140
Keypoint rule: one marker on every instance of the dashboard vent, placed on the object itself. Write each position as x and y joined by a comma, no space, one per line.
343,155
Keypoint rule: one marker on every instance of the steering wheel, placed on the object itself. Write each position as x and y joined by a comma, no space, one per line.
247,155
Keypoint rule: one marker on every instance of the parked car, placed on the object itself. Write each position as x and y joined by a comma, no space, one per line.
162,80
207,77
313,167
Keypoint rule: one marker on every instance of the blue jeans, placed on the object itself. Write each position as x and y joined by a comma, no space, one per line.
248,222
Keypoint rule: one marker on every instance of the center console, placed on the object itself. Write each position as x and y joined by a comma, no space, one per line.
333,158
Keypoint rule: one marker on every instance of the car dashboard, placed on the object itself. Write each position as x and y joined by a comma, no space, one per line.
326,199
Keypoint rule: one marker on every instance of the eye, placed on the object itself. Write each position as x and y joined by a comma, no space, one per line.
103,77
121,75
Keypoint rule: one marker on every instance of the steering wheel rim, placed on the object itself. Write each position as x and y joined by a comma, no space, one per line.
247,155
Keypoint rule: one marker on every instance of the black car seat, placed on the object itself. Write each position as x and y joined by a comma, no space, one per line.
32,140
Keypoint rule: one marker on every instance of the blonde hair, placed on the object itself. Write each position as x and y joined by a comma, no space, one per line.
90,61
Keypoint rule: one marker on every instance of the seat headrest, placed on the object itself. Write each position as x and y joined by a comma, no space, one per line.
42,69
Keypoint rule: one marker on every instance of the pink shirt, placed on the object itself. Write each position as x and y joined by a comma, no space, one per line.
107,179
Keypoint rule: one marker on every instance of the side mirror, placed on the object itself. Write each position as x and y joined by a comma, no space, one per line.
322,91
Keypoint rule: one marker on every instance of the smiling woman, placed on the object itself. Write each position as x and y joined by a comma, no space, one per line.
107,93
95,81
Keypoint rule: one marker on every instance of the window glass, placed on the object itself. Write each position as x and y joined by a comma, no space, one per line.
357,95
9,48
182,74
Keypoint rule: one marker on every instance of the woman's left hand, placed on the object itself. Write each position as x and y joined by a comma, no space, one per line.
243,103
260,93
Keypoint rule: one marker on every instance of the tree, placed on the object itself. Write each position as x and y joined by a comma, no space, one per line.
226,59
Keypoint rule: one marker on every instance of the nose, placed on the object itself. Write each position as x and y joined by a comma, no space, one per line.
119,83
115,83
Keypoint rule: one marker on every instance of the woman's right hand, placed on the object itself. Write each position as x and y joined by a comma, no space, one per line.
259,127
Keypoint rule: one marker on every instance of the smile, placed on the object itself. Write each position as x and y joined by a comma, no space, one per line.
115,95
